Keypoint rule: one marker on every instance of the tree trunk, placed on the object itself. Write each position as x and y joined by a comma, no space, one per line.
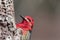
7,20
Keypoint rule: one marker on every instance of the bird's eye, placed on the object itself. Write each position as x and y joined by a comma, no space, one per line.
29,19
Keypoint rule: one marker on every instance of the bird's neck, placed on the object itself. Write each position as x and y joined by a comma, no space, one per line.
24,32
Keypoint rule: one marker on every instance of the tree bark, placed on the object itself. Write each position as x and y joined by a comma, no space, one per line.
7,20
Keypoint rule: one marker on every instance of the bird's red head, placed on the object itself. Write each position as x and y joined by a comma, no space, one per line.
26,24
29,20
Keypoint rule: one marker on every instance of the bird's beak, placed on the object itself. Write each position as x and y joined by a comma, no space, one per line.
24,18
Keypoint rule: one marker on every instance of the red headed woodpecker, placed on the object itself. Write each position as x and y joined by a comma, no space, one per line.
26,25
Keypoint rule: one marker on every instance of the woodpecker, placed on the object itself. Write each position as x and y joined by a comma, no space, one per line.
26,25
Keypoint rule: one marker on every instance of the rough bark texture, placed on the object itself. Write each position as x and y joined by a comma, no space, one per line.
7,21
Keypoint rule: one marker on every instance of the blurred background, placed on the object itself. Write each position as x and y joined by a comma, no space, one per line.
46,14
